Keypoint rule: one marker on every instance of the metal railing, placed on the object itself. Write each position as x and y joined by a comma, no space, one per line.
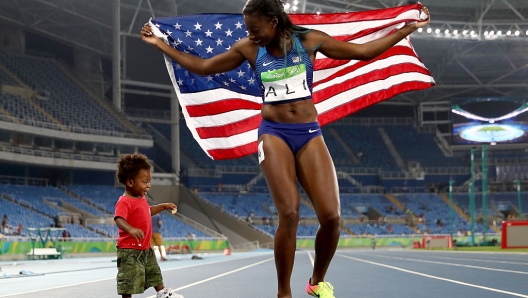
74,129
247,246
23,180
60,155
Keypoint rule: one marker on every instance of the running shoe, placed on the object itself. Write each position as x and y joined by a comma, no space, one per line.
322,290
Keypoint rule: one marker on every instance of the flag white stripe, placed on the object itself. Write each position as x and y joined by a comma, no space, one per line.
224,118
322,74
377,65
210,96
230,142
352,27
239,115
322,107
368,88
370,37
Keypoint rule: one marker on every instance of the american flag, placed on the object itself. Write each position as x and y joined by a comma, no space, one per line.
222,111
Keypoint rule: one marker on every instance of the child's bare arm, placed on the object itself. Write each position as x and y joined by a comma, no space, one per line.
134,232
160,207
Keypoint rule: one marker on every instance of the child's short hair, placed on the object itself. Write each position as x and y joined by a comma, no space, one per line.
129,165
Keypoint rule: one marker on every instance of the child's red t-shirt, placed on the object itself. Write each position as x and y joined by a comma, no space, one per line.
136,212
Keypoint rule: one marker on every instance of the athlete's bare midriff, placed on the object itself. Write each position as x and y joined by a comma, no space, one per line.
302,111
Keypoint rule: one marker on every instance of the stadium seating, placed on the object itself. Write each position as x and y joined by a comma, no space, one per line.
436,213
67,102
6,79
421,147
366,142
19,108
378,229
376,201
17,214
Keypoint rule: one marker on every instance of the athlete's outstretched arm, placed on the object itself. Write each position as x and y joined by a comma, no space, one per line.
341,50
223,62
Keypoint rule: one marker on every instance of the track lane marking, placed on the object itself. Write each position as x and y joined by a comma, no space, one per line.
217,276
434,277
113,278
311,258
453,264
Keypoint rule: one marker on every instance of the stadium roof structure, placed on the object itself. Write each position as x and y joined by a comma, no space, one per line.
473,47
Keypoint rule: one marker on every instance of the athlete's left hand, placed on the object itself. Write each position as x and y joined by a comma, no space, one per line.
426,21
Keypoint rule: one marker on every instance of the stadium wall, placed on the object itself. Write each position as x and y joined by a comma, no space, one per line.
22,247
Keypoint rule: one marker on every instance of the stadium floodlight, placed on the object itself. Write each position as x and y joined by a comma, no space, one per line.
459,111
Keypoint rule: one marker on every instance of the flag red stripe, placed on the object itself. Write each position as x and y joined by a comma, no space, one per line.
348,17
366,32
327,117
369,99
222,106
320,96
230,129
376,75
236,152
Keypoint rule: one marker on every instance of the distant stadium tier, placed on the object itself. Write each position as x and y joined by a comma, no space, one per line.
489,133
489,121
514,234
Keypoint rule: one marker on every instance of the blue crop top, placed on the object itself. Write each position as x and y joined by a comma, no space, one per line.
280,83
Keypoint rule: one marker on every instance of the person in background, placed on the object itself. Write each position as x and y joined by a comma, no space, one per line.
156,239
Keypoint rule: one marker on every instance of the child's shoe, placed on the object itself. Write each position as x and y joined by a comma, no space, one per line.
321,290
167,293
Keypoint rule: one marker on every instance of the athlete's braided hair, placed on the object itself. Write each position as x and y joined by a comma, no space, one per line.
275,9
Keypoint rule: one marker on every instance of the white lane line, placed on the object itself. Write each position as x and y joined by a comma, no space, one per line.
311,258
435,277
58,287
503,253
453,264
217,276
481,260
113,278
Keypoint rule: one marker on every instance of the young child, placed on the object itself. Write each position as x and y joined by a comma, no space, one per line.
137,267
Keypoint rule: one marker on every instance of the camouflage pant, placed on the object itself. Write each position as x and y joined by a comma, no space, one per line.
137,270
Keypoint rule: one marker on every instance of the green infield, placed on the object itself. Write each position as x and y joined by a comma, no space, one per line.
491,128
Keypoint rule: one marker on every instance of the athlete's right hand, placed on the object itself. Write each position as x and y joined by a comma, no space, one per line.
137,234
147,35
